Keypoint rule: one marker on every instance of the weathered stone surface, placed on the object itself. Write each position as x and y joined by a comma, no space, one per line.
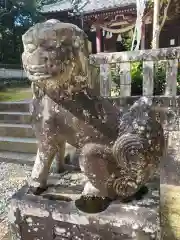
54,126
170,211
119,153
135,56
37,217
63,73
170,185
133,158
121,142
117,156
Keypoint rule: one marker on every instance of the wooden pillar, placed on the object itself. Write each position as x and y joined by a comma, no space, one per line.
98,39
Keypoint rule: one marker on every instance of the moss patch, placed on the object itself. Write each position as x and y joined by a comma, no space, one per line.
170,212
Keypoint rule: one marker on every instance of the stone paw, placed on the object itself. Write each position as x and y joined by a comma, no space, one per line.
36,190
60,170
137,196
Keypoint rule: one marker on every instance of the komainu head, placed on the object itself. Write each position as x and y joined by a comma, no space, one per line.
56,55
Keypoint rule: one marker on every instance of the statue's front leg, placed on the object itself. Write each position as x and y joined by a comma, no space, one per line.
40,172
60,157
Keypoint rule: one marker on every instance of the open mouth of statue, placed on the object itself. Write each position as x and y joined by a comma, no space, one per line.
38,72
44,71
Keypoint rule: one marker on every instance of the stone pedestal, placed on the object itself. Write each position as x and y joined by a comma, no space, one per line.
54,215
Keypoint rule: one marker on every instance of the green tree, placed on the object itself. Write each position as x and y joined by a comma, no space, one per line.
40,3
15,18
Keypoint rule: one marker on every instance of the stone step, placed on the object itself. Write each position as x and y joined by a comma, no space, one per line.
22,106
16,130
25,145
22,145
29,158
15,117
16,157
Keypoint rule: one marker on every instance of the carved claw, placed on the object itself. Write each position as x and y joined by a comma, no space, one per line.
36,190
137,196
125,187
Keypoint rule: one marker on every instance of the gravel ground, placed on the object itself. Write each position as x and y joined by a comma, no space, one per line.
12,178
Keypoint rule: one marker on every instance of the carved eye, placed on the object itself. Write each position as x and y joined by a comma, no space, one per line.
31,47
47,46
50,48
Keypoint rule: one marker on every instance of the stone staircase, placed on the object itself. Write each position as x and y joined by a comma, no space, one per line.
17,141
17,145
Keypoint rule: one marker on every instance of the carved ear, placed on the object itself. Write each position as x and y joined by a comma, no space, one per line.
89,47
81,56
38,93
83,60
169,115
143,103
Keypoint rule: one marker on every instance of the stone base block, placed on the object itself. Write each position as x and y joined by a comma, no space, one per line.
55,216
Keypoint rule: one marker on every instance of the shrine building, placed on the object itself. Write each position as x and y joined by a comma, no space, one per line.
108,22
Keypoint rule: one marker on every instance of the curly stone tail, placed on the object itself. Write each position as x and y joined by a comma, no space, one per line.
128,148
129,152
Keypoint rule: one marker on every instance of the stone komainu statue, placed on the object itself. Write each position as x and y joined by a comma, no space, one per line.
119,154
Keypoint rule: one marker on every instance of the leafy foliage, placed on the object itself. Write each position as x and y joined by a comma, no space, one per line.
40,3
137,79
15,18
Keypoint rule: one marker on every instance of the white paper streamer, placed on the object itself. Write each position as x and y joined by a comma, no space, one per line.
119,38
140,5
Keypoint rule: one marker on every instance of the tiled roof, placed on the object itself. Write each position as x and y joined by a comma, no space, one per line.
89,5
